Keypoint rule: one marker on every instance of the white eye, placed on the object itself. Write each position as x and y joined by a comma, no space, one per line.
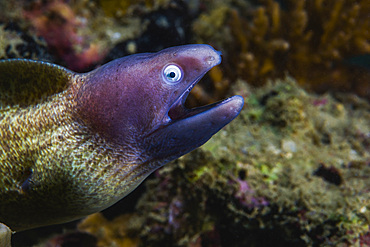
172,74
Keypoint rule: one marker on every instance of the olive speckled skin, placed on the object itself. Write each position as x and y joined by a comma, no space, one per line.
73,144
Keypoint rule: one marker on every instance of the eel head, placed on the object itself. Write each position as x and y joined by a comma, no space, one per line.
138,101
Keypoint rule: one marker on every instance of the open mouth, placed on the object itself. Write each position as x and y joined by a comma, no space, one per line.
178,111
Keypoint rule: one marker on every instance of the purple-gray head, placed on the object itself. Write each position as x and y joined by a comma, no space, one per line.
137,102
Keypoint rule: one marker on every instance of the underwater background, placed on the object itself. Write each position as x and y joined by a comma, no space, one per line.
292,170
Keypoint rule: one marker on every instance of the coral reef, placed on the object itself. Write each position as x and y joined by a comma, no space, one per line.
165,27
292,170
67,31
318,42
310,40
15,43
59,25
112,233
263,176
79,34
119,8
79,239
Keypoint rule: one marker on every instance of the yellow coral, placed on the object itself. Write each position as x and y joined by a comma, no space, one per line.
307,39
119,8
114,7
109,233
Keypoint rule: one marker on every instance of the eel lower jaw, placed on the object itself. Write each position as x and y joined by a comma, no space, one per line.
221,111
187,129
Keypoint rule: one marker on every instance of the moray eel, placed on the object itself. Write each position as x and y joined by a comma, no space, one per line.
72,144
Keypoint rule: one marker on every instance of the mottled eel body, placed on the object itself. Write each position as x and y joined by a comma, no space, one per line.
73,144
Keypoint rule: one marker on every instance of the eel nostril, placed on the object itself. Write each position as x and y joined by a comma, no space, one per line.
210,59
